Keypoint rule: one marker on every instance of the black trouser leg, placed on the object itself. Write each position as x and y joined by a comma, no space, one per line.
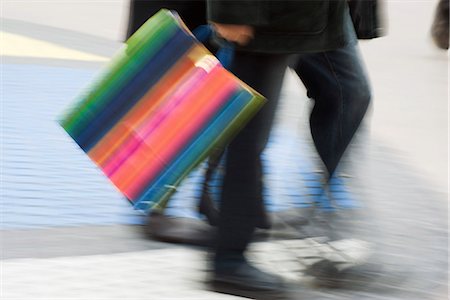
241,199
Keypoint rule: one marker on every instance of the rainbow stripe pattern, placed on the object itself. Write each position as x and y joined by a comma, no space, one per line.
159,108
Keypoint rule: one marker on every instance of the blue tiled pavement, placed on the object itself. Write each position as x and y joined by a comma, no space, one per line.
48,181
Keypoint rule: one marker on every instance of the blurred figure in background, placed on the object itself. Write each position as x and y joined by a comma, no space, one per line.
439,28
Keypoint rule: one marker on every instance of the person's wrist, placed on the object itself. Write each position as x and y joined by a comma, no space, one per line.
236,33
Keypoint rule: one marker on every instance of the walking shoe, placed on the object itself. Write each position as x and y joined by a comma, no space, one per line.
179,230
246,280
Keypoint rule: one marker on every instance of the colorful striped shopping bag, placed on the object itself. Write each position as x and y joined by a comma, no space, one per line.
160,107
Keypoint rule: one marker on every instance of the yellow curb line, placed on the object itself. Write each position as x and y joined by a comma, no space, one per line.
21,46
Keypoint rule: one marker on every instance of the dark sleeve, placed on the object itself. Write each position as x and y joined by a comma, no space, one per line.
368,18
245,12
193,13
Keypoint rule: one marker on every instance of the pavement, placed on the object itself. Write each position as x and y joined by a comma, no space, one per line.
68,234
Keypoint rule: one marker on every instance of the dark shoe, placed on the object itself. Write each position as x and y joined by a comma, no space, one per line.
179,230
188,231
199,233
247,281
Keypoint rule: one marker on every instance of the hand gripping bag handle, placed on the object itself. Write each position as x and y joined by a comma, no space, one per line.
226,52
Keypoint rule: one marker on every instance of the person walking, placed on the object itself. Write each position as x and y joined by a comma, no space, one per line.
321,37
317,40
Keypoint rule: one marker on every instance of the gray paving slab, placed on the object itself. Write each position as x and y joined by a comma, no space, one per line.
75,241
177,274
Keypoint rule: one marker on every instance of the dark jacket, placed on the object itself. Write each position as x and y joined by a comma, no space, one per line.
192,12
288,26
368,18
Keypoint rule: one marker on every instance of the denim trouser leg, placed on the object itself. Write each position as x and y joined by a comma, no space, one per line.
241,199
338,83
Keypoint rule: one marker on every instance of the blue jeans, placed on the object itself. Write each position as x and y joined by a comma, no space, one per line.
337,82
339,86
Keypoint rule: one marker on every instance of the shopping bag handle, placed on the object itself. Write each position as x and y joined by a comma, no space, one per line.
225,54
